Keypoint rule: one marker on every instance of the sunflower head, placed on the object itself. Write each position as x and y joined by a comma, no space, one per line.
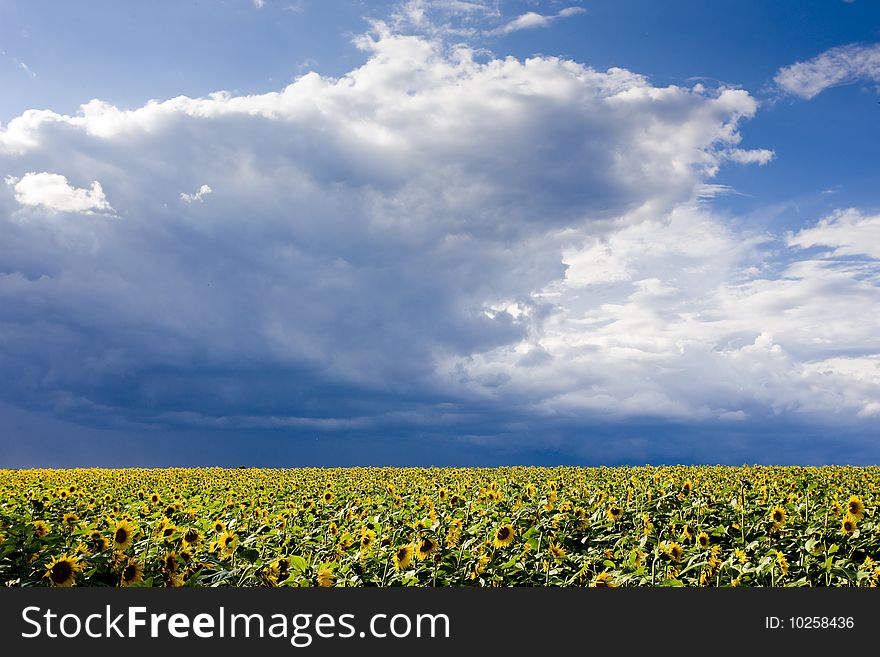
849,525
403,557
777,516
673,550
614,512
191,536
556,551
855,507
503,536
703,540
426,547
123,535
603,580
325,577
132,573
62,570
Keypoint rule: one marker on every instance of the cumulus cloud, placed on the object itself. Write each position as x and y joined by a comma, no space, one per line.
51,191
848,232
837,66
683,317
425,241
198,196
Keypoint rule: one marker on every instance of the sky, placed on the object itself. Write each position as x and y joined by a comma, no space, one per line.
439,232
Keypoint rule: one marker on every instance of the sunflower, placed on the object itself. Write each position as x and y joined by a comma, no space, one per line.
69,520
191,536
703,540
123,534
131,574
614,512
165,528
169,563
227,544
426,546
777,517
155,498
603,580
849,525
41,528
855,507
503,536
219,527
62,570
403,557
325,577
673,550
368,536
556,551
782,561
688,534
327,497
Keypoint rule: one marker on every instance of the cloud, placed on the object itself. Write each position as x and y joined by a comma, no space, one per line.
469,20
426,244
848,232
835,67
197,197
532,19
259,4
52,192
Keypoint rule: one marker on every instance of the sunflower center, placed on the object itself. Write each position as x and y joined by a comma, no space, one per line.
503,533
129,573
61,572
121,535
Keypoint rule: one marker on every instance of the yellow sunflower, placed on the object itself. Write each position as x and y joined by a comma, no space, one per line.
226,544
556,551
614,512
703,540
123,535
603,580
403,557
673,550
131,574
325,577
41,528
855,507
62,570
849,525
426,547
777,517
503,536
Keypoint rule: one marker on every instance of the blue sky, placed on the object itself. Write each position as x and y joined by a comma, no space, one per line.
289,232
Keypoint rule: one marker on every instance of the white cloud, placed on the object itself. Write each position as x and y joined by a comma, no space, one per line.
198,196
837,66
759,156
51,191
683,318
259,4
533,19
848,231
427,227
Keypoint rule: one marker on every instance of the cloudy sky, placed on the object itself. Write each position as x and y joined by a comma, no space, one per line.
448,232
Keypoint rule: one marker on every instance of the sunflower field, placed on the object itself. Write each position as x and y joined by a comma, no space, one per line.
517,526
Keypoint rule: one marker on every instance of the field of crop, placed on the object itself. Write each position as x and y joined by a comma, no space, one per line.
647,526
